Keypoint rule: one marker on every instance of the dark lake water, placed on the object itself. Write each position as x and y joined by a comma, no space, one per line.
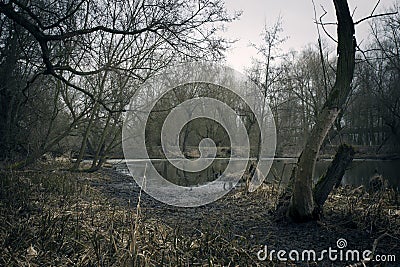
357,174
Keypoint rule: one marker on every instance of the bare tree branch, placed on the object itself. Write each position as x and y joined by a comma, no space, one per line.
375,16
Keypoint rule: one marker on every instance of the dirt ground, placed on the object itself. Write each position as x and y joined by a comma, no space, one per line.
248,218
103,219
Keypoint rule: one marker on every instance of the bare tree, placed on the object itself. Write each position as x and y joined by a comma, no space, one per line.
75,41
385,69
265,72
302,204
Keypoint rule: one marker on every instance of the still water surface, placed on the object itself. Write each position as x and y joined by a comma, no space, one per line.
357,174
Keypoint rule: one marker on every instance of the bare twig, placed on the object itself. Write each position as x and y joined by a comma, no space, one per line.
375,7
321,52
323,25
375,16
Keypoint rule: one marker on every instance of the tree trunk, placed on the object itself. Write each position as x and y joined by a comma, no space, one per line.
100,146
85,138
302,205
45,147
333,176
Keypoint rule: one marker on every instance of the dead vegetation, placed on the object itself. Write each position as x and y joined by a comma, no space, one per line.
61,218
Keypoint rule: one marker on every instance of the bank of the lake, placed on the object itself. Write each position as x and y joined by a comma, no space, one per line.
59,218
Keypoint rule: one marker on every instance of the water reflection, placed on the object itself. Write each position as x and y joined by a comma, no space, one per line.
357,174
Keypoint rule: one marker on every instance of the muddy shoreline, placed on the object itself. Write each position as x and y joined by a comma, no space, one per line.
250,217
103,219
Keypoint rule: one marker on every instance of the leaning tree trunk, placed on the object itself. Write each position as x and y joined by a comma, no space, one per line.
302,204
333,176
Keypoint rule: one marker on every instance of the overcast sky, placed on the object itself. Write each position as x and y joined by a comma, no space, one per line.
297,17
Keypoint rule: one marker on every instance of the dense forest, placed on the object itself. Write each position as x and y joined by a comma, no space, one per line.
64,89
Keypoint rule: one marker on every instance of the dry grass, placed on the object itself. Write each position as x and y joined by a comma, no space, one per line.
58,219
55,218
370,212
